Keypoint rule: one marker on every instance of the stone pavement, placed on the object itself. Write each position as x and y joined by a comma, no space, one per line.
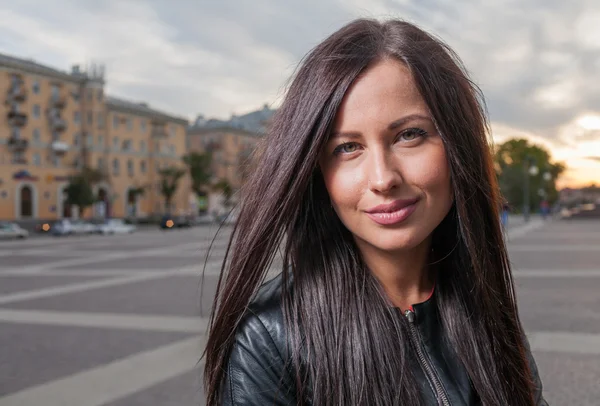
119,320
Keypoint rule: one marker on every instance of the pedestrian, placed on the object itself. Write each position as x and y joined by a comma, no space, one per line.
376,185
504,216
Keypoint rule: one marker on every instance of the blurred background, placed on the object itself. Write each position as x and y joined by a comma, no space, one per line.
125,134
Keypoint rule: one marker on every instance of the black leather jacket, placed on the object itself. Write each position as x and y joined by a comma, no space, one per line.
258,374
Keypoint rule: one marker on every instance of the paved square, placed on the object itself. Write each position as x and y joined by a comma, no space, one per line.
115,320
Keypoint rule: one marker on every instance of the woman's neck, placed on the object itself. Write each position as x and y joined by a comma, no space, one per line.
404,276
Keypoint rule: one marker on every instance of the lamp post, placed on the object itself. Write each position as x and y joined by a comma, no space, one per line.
530,169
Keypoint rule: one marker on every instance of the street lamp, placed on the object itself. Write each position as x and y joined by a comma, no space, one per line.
530,169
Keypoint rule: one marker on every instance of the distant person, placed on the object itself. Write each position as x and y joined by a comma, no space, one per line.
545,209
375,184
505,212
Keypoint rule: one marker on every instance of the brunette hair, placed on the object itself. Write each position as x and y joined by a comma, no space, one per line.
355,347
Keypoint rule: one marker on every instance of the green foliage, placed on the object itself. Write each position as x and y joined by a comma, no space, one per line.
224,187
512,160
169,182
79,190
199,167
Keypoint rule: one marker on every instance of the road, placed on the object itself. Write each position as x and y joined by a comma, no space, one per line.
119,320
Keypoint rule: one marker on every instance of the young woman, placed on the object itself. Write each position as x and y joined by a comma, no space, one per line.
376,184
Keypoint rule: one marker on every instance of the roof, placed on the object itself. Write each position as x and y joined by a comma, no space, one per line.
114,103
31,66
254,122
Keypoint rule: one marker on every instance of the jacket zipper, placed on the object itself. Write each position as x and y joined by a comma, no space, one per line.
427,367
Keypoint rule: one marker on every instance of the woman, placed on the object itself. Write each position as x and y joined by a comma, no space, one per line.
376,183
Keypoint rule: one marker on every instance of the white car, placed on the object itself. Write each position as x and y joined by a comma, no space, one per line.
115,226
82,227
12,230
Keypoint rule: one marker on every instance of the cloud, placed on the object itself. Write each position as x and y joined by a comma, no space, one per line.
536,60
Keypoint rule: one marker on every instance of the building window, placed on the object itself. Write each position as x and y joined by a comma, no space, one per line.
90,118
55,91
36,136
90,94
100,163
143,125
173,150
76,140
18,157
16,132
99,95
100,141
143,146
143,166
36,86
55,136
56,161
37,161
89,141
129,123
130,167
116,143
172,130
115,121
76,117
36,110
127,145
100,120
115,166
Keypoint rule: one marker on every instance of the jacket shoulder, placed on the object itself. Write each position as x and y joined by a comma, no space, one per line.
258,371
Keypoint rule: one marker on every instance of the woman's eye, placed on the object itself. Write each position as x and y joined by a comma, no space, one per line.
411,134
346,148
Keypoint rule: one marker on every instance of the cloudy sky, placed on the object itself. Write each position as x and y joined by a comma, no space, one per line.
537,61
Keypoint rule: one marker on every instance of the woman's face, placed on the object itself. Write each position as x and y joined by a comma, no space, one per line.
385,166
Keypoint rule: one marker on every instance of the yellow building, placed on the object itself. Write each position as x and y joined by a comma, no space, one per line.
54,122
231,144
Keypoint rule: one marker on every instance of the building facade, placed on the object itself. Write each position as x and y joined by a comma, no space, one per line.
54,122
231,143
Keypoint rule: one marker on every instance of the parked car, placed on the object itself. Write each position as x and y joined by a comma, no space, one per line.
115,226
12,230
83,227
62,227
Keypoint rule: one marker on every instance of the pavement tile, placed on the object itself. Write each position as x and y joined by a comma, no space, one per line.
140,263
20,283
185,389
32,354
569,379
171,296
16,261
559,304
554,260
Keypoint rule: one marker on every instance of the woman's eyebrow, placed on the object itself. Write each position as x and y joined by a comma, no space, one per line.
393,125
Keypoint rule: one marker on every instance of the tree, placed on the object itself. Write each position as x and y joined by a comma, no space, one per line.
199,168
513,159
225,188
79,190
169,182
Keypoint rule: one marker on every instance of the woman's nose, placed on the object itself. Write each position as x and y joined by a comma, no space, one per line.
383,173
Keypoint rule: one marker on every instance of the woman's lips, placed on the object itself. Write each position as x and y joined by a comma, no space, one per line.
392,213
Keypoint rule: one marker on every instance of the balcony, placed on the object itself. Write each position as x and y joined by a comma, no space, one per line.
59,147
17,144
58,101
17,119
158,132
57,124
17,94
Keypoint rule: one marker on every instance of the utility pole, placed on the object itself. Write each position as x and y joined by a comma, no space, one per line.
526,189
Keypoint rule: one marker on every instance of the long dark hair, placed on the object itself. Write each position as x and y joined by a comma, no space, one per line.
353,346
